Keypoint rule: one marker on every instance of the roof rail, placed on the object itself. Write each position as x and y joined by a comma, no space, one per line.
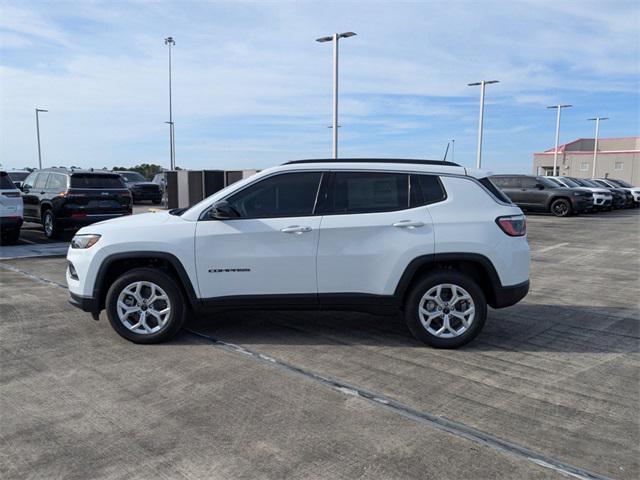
374,160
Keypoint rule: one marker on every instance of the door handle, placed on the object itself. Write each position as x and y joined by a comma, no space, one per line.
296,229
410,224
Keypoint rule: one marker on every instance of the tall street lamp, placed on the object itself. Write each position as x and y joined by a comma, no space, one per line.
334,38
555,151
482,84
38,110
172,140
595,143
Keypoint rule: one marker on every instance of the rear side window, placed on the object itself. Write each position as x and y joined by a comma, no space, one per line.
41,181
28,182
365,192
81,180
426,189
57,182
5,182
488,184
286,195
507,182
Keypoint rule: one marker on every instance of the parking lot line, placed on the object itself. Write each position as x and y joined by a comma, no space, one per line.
424,417
551,247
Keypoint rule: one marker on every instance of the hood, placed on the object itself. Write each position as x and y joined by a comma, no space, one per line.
129,221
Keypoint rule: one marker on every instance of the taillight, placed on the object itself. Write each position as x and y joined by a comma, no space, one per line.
11,194
513,225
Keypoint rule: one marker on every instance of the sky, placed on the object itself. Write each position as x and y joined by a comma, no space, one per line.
251,87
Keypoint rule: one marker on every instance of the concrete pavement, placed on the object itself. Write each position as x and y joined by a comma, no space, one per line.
557,375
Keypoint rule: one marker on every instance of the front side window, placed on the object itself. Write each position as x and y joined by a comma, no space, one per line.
365,192
41,181
286,195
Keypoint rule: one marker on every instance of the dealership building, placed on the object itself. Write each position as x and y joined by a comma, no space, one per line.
617,158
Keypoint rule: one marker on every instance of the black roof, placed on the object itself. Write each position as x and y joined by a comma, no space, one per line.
375,160
72,171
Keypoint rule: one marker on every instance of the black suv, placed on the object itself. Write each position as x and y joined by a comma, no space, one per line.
69,199
141,188
539,194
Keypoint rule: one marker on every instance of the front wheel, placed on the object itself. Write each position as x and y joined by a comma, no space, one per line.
446,309
145,306
561,207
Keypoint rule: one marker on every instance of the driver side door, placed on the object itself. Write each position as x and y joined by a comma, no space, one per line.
268,253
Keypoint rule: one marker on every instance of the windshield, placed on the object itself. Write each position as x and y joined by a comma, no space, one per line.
547,182
556,181
620,183
132,177
18,176
570,182
600,183
586,183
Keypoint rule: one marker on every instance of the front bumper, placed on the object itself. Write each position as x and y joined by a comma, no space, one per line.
509,295
86,304
582,204
146,195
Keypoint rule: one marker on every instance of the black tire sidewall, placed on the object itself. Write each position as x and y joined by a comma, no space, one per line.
178,309
561,200
422,286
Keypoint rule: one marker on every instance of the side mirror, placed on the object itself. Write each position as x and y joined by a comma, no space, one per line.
222,211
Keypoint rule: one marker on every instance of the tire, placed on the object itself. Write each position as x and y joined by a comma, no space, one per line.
50,225
418,301
156,328
561,208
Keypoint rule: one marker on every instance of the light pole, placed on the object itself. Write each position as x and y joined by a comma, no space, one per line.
38,110
482,84
334,38
555,151
595,143
172,140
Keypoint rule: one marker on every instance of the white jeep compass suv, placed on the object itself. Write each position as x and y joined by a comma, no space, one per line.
431,239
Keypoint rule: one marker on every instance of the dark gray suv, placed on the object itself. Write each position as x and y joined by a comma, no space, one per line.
539,194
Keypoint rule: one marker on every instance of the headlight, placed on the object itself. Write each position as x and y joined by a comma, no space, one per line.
84,241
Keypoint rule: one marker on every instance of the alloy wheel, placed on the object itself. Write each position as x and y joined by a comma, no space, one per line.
446,310
143,307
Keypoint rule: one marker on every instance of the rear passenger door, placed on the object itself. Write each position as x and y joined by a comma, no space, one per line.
373,225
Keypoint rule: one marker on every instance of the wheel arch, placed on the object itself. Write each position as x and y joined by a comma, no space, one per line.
476,265
116,264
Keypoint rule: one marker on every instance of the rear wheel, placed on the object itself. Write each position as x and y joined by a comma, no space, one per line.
145,306
50,224
561,207
446,309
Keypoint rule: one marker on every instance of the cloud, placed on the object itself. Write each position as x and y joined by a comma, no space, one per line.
101,70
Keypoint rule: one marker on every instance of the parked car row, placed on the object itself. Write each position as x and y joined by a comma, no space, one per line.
564,196
62,199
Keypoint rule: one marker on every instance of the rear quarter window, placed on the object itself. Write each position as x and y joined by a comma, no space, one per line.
495,191
96,181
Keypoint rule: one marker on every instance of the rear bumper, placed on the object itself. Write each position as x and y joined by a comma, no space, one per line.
8,224
510,295
73,222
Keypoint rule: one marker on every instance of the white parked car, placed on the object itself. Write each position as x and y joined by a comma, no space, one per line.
432,239
621,184
602,198
11,210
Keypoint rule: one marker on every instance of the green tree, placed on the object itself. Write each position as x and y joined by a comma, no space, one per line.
147,170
